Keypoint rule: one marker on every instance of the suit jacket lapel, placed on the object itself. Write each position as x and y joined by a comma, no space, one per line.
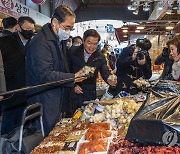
64,57
18,44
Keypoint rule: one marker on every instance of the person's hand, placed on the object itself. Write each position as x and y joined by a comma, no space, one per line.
78,89
1,97
142,61
112,83
135,53
78,77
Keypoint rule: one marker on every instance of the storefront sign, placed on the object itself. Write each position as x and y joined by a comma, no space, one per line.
16,9
39,2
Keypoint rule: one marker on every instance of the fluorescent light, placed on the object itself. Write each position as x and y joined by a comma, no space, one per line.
140,27
125,30
137,31
169,27
146,6
175,5
125,36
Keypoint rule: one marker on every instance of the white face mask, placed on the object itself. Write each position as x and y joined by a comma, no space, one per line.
63,34
78,44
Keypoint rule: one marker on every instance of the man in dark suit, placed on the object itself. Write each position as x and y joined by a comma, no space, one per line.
13,53
46,62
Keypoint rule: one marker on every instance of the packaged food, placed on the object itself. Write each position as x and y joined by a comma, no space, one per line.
75,136
94,134
70,146
49,147
92,146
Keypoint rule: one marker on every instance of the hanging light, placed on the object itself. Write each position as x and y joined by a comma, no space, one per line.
133,6
136,11
140,27
125,26
175,5
125,30
137,31
146,6
160,5
169,27
169,10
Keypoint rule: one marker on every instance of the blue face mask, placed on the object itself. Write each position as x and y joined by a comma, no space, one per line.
63,34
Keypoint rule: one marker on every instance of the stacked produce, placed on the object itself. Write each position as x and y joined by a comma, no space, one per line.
122,109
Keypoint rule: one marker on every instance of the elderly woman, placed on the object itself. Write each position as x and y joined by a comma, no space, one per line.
174,47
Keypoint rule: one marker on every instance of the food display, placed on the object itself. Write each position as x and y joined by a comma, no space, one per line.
49,147
101,129
123,110
142,84
125,146
93,146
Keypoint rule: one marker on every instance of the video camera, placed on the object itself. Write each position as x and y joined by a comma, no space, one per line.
144,45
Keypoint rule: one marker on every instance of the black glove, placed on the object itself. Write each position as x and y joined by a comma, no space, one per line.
165,52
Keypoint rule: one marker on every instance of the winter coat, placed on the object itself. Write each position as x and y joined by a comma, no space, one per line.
13,54
76,62
2,77
46,62
166,74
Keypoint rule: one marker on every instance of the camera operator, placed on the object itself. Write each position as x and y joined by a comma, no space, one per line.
134,62
165,58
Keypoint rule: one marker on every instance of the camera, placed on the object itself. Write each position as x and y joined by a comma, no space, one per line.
144,45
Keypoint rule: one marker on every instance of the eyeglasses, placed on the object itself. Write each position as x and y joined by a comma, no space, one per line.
67,28
91,44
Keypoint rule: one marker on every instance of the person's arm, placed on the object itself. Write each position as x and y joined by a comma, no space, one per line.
2,77
146,68
104,70
125,58
42,61
159,60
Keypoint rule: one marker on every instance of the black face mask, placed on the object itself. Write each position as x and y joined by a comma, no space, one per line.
27,34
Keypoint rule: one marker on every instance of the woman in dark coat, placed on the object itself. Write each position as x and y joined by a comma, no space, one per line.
88,55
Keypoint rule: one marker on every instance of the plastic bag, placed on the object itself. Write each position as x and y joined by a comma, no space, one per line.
158,120
167,86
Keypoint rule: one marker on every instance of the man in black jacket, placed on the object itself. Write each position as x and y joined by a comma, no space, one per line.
13,53
9,26
134,62
87,55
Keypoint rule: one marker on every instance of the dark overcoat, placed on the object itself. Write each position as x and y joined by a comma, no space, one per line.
46,62
13,54
76,62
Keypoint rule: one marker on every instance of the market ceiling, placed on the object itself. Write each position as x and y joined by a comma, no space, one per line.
106,9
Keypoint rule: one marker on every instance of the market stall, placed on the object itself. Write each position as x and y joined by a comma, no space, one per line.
108,126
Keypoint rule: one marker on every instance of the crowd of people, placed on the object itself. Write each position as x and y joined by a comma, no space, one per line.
52,55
